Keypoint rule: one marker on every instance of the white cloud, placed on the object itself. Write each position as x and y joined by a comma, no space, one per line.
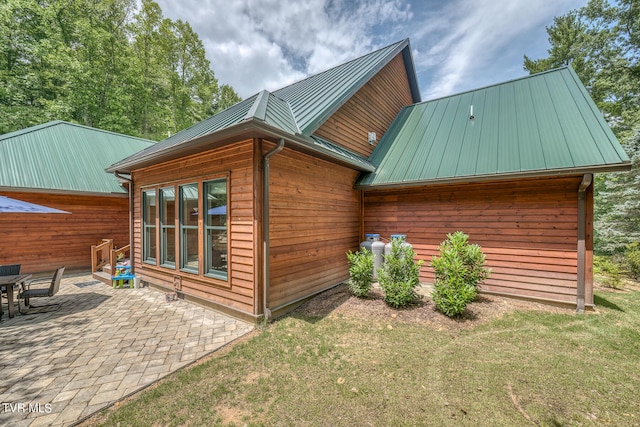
457,45
267,44
468,38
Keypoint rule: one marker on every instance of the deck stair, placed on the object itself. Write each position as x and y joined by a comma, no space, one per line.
103,256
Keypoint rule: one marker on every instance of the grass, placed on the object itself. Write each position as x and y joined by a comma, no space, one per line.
526,368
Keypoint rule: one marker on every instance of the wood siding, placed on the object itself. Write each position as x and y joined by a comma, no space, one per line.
235,161
314,221
371,109
43,242
527,229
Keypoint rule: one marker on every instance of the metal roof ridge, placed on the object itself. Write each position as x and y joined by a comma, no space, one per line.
259,107
494,85
406,40
53,123
31,129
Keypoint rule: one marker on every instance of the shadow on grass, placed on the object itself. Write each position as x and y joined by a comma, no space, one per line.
602,302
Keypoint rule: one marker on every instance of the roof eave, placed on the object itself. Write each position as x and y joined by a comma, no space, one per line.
251,128
618,167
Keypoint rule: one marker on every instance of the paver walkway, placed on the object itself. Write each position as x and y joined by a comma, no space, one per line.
102,344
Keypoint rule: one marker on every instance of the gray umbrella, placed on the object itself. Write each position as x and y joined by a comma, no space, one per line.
9,205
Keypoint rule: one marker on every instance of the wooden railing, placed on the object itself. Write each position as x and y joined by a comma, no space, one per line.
117,254
100,254
104,253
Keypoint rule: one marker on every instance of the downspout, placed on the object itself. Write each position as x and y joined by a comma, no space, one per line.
582,235
266,272
130,181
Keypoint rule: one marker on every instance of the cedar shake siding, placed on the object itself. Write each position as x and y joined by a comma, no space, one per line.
528,230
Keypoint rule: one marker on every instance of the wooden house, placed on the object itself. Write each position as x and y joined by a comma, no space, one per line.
62,165
252,210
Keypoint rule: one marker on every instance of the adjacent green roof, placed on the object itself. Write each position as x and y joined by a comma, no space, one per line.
543,124
294,112
63,156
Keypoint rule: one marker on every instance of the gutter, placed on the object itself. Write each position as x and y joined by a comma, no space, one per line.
590,170
130,181
582,234
266,272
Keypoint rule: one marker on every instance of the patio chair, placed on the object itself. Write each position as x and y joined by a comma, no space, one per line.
7,270
28,292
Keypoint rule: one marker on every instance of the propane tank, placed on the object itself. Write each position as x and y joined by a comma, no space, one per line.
372,243
402,237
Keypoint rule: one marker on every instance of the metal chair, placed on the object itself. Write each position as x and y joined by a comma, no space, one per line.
7,270
27,292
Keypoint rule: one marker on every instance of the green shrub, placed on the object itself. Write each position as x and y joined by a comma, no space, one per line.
632,258
400,275
459,271
360,272
452,301
608,270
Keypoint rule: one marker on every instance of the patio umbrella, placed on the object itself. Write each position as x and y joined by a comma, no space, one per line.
9,205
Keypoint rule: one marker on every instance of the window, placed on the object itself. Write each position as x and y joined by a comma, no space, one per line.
167,227
215,228
149,226
189,228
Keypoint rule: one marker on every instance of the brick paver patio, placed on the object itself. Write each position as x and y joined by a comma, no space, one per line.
100,346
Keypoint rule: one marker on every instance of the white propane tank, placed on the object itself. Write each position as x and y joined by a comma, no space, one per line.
372,242
402,237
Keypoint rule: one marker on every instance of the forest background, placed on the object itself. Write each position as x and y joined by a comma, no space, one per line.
601,41
116,65
119,65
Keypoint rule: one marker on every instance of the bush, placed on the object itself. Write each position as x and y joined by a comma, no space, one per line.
452,301
609,271
632,258
360,272
400,275
459,271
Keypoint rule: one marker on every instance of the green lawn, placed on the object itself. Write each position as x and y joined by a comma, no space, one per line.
525,368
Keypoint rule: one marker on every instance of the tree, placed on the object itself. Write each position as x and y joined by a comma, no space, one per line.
113,64
602,43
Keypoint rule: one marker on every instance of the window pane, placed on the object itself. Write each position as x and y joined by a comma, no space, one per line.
169,246
190,249
189,205
168,211
149,225
150,244
149,207
168,227
215,219
189,226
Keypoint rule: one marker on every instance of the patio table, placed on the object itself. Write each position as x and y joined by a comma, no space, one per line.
10,282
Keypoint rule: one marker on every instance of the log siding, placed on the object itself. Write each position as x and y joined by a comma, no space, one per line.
371,109
527,229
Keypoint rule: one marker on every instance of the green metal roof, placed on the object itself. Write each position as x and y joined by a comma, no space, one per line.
538,125
293,112
63,156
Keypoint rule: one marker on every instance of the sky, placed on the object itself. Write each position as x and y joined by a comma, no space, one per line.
457,45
